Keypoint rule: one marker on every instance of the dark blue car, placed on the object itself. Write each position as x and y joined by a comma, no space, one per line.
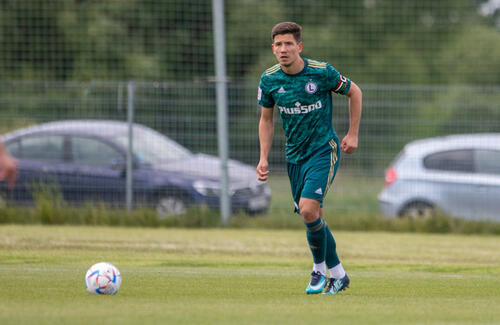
86,160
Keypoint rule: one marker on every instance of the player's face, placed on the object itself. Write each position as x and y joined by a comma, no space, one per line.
286,49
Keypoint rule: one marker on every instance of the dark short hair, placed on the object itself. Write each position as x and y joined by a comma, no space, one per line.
287,27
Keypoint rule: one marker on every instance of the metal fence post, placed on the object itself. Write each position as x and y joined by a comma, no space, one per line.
130,120
222,128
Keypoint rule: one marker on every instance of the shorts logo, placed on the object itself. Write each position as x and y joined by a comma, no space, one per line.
259,94
311,87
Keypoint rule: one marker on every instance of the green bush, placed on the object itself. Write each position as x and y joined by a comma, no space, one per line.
50,209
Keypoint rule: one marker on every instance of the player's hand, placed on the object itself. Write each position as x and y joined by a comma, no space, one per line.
8,170
262,170
349,143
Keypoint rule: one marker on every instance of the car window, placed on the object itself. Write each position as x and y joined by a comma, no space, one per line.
455,160
487,161
39,147
153,147
14,148
90,151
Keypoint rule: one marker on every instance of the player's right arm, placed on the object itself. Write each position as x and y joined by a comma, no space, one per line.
266,132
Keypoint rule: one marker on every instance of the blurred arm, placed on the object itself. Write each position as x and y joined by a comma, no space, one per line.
349,143
266,132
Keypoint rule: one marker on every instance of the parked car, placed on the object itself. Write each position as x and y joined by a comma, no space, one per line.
458,175
87,161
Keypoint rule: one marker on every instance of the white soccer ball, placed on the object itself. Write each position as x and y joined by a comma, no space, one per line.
103,279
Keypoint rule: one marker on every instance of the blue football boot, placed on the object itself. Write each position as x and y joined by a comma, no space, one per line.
336,285
318,282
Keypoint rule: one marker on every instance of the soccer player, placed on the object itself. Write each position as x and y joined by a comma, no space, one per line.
8,166
301,90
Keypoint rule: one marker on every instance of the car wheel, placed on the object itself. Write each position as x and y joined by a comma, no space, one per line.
170,206
418,210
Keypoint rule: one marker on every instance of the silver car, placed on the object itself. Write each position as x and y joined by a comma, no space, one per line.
458,175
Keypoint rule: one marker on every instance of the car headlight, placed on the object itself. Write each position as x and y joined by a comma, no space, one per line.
207,188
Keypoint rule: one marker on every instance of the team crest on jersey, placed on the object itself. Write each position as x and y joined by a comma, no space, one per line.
311,87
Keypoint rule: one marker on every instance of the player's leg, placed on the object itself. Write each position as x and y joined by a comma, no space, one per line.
315,173
316,237
309,210
331,256
338,278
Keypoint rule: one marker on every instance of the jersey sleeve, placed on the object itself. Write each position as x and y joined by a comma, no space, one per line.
337,82
263,96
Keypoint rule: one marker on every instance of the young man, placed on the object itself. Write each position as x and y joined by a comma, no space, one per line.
8,166
301,89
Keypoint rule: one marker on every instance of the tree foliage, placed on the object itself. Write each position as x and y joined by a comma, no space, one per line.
373,41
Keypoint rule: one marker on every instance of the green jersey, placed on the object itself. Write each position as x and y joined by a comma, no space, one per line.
304,101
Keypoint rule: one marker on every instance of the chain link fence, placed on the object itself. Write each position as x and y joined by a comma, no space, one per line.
426,69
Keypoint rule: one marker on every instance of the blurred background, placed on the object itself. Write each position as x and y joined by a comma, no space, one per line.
427,68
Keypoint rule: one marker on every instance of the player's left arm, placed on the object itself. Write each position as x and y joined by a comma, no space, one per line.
349,143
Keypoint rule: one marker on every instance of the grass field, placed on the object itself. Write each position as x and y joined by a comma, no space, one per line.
183,276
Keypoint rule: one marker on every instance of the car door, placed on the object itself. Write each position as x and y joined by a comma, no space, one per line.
94,176
41,160
452,175
487,166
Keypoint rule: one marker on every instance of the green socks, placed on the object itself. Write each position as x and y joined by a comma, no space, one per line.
317,238
332,259
322,243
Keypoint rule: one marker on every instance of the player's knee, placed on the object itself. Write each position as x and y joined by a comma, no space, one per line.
309,214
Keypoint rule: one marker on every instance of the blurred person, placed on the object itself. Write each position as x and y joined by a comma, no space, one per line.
8,166
301,90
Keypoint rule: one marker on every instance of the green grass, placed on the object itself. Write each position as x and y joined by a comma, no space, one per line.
350,194
216,276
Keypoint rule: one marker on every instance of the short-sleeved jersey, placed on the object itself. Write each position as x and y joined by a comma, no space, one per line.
304,101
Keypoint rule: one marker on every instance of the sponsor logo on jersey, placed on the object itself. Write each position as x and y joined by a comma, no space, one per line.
311,87
301,109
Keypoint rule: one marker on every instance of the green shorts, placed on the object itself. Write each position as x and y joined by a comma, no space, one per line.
312,178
